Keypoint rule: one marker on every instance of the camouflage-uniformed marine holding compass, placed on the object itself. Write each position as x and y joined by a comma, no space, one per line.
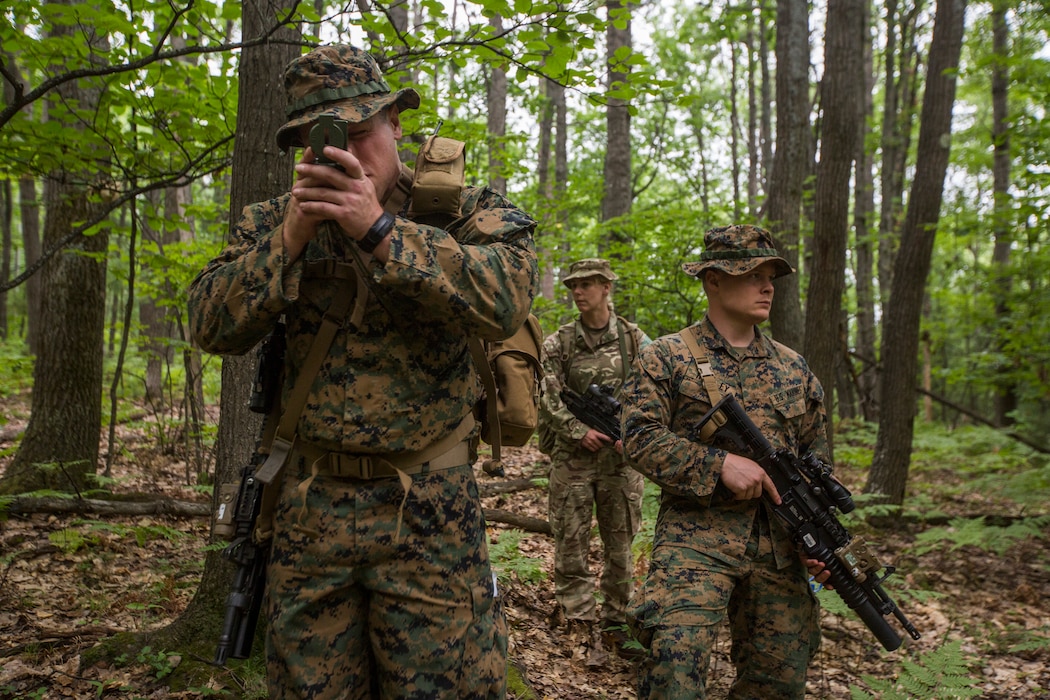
379,582
717,551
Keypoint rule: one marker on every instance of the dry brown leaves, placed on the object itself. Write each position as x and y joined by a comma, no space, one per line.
66,583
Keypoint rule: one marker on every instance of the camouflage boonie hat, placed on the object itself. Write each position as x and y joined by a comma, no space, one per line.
590,267
342,81
737,250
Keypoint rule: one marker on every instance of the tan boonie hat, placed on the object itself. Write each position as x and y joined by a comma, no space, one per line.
590,267
737,250
342,81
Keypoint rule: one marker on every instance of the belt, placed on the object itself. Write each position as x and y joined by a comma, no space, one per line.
451,451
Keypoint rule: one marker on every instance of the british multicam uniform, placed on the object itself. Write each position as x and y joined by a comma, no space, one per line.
586,484
715,557
375,589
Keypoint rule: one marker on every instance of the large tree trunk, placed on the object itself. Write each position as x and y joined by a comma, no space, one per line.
842,112
783,205
61,444
889,469
259,172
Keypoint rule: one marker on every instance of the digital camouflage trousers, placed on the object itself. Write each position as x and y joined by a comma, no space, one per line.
773,623
372,593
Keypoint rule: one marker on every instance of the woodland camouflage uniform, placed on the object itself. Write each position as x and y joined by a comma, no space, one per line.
584,483
376,587
714,556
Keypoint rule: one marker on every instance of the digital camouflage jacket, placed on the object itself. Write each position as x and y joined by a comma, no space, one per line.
404,377
665,399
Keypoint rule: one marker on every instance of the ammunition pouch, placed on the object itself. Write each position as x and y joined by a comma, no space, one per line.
439,175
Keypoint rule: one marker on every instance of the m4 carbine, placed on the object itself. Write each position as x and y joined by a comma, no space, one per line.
236,518
810,495
246,593
596,408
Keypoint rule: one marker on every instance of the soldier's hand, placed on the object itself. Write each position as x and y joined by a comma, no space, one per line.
818,570
595,440
323,193
746,479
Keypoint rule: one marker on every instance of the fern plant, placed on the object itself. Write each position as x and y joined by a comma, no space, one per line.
943,673
961,532
509,562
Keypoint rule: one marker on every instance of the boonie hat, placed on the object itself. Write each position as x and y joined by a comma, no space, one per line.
737,250
342,81
590,267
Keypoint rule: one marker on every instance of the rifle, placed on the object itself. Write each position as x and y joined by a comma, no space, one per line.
245,597
236,518
596,408
809,497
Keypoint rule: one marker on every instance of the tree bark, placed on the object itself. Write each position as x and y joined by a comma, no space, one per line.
60,448
617,197
496,94
889,469
838,145
1006,389
260,171
783,204
864,258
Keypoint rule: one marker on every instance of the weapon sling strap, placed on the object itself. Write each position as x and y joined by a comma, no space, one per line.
281,445
568,349
703,366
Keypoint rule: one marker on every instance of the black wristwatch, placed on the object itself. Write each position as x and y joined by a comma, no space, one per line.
379,230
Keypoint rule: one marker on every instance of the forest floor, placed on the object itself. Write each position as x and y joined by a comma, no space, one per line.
68,581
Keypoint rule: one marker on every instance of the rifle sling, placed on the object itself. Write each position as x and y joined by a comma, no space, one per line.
703,366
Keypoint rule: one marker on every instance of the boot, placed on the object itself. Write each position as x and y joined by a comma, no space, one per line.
618,639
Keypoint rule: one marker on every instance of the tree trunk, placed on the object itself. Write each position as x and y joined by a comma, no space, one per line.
889,469
783,204
617,198
753,160
60,448
864,258
900,89
767,96
260,171
496,90
546,235
1006,389
842,103
734,132
6,206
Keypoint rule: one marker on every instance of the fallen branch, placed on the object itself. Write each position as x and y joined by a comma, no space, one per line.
522,522
500,487
27,505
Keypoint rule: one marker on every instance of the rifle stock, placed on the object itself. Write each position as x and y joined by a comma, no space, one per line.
809,496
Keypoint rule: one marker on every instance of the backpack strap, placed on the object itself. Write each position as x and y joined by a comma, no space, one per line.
488,382
703,366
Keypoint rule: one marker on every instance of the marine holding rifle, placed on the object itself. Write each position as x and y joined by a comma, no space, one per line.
379,583
718,551
587,467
